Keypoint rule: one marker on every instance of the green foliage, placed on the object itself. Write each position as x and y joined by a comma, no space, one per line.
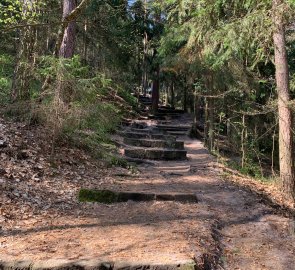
250,168
123,93
118,161
80,112
101,196
10,12
13,12
6,70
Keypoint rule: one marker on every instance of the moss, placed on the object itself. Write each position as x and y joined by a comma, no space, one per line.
189,266
101,196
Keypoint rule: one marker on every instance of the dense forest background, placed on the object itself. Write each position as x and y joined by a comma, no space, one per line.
76,67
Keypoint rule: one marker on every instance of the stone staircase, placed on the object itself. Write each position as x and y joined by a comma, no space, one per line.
152,143
160,139
163,113
157,145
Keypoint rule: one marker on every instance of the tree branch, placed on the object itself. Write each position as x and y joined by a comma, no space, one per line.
76,12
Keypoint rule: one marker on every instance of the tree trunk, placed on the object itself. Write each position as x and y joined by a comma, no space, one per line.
85,41
155,91
206,126
197,116
185,98
210,124
172,94
144,68
243,141
68,42
285,113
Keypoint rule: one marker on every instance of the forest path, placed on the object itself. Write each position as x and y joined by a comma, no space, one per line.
248,233
44,226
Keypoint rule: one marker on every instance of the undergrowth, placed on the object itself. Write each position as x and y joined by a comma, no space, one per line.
73,103
252,170
6,71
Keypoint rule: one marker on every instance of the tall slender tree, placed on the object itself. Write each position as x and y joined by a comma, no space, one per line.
285,113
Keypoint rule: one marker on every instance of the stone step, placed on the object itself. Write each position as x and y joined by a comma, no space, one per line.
146,103
154,143
173,128
94,264
170,110
170,113
155,153
108,196
126,122
144,98
178,133
142,117
154,117
139,161
139,125
142,130
174,168
164,122
153,131
139,135
164,116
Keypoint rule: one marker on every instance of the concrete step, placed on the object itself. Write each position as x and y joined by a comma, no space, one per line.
155,153
154,143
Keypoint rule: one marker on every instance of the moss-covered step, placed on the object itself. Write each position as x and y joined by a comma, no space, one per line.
156,153
108,196
155,143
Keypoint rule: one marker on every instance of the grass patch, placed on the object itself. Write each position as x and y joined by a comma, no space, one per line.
101,196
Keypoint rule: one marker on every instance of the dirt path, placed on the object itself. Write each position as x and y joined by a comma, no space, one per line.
230,227
248,233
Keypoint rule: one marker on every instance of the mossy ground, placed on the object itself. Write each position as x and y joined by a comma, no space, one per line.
102,196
